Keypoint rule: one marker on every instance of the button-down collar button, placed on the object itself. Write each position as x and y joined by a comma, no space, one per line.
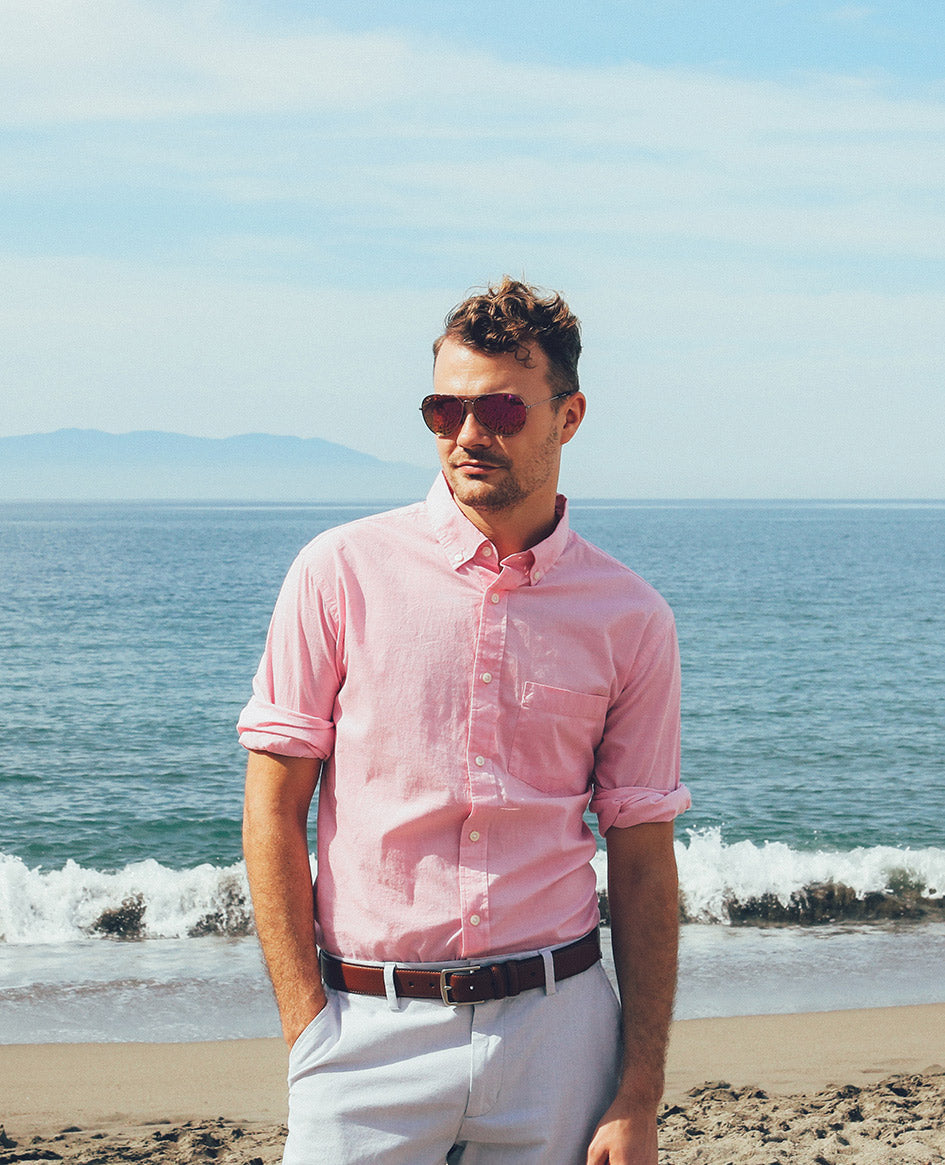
458,556
474,835
480,761
487,551
536,576
493,598
487,677
475,919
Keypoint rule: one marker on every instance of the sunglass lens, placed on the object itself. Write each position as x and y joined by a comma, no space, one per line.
502,412
442,414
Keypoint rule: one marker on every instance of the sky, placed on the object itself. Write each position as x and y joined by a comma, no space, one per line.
226,217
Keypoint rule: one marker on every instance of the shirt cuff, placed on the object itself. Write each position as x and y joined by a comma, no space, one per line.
265,727
636,806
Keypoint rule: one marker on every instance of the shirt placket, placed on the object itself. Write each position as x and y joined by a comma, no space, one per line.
481,761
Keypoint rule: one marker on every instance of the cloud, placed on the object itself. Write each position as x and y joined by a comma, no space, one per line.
850,13
377,133
218,227
128,60
121,60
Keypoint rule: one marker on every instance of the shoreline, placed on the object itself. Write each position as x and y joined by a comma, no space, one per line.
148,1095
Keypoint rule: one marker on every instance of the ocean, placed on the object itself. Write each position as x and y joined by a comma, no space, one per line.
812,863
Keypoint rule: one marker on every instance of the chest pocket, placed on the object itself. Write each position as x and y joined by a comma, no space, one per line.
555,737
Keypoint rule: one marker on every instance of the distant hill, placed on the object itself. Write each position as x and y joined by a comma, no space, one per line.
87,464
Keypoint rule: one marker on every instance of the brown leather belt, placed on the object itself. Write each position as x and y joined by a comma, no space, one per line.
476,984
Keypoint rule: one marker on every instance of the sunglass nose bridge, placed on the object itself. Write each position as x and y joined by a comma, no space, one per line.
472,412
468,406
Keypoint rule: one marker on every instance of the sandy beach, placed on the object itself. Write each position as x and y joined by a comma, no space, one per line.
844,1086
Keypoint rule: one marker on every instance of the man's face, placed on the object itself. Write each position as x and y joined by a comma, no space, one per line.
491,473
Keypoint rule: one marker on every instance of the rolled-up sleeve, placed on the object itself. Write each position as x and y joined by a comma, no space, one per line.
637,764
291,711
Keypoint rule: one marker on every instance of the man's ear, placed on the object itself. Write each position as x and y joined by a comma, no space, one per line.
572,413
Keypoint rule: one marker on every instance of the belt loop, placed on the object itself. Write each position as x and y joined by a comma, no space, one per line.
548,959
390,990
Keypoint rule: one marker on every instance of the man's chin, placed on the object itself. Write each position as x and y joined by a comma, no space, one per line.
482,495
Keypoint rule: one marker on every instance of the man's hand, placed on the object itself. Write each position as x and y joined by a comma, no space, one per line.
625,1136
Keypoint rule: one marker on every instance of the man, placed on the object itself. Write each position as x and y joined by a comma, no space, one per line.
463,676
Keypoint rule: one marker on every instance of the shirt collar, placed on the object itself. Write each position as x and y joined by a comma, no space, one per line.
462,541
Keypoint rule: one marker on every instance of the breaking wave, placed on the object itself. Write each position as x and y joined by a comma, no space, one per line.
742,883
745,883
144,900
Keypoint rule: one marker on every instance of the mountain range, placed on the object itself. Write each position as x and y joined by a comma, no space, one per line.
91,465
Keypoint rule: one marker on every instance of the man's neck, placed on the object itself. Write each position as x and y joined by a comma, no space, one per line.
512,531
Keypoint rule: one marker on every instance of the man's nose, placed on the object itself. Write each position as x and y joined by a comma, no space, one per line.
471,432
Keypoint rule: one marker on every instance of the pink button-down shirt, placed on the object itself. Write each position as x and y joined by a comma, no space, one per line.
467,710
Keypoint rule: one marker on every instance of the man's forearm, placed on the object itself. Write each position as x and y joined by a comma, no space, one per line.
275,845
642,891
643,897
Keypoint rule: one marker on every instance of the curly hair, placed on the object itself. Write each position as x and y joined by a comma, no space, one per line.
508,318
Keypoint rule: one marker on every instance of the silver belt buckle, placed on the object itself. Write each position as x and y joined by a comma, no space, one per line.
445,987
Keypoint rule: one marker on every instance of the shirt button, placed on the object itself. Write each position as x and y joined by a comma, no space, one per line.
536,575
480,761
458,557
474,835
493,598
487,677
475,919
487,551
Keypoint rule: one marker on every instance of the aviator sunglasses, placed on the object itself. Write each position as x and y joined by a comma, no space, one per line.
502,413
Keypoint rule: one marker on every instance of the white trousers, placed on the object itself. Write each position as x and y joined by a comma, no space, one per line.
521,1080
